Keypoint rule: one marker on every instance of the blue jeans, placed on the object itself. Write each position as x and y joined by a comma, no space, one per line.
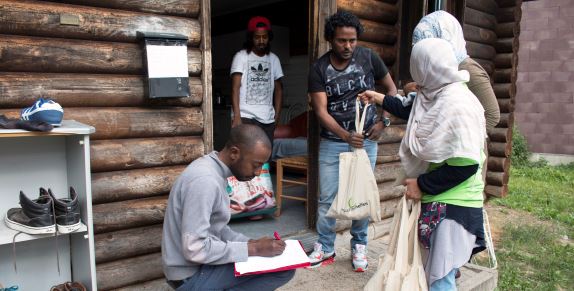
222,277
446,283
329,186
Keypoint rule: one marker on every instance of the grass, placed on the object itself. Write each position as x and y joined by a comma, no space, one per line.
535,250
545,191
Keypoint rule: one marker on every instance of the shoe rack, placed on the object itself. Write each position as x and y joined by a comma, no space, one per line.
57,160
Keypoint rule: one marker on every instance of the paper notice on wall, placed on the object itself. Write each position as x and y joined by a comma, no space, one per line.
166,61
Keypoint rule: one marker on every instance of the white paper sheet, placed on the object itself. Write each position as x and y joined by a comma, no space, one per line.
293,255
167,61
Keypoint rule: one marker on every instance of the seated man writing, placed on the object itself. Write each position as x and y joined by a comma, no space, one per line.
198,247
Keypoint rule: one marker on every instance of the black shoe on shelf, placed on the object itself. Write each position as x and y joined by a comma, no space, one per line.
34,216
67,212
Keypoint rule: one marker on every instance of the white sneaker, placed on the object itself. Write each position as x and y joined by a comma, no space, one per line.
359,254
318,257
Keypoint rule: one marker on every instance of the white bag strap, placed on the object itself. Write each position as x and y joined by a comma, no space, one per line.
360,120
416,248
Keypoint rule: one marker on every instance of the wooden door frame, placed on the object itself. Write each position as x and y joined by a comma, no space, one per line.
319,10
206,79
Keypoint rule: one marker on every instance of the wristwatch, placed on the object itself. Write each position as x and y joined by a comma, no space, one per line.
386,121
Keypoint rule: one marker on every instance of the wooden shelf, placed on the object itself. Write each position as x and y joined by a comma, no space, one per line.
7,234
69,127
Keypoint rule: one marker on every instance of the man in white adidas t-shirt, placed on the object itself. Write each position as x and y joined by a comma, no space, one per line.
256,79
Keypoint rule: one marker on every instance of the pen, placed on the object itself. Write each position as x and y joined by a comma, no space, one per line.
276,235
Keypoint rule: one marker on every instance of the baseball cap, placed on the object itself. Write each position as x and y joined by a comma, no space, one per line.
262,21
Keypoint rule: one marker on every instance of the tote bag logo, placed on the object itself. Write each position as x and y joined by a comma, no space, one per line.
353,206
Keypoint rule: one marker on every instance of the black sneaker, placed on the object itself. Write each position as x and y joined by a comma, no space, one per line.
35,216
67,212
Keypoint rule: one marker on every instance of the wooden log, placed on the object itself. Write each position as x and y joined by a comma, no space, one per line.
502,75
379,229
388,207
388,172
49,55
504,45
479,50
503,60
371,9
133,184
387,53
186,8
388,159
387,149
506,105
498,164
376,229
127,243
502,90
126,154
128,214
496,191
342,225
487,65
129,271
388,190
506,14
496,178
479,34
153,285
487,6
505,30
393,134
86,90
499,149
479,18
506,120
128,122
378,32
45,19
500,134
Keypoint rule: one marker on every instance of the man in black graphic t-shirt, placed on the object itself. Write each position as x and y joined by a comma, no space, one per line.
335,79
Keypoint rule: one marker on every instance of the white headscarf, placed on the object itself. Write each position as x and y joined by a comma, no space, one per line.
447,120
441,24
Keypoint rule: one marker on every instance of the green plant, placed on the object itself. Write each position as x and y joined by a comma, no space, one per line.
520,153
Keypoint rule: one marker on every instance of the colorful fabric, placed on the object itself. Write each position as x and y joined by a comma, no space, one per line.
441,24
431,215
252,195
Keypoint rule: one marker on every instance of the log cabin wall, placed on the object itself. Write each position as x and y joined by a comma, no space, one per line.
381,22
491,31
95,70
508,16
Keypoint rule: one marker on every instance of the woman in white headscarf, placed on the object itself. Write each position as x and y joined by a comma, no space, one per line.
442,155
441,24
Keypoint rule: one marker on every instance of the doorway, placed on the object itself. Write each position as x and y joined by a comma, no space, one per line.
290,25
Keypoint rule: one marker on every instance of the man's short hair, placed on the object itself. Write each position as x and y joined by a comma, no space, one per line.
246,136
341,19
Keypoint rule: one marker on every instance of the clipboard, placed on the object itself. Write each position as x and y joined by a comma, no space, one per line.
293,257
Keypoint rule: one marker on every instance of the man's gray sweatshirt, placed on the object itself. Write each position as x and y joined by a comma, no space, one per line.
195,230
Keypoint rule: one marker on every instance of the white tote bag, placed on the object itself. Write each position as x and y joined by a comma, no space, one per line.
401,268
358,195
